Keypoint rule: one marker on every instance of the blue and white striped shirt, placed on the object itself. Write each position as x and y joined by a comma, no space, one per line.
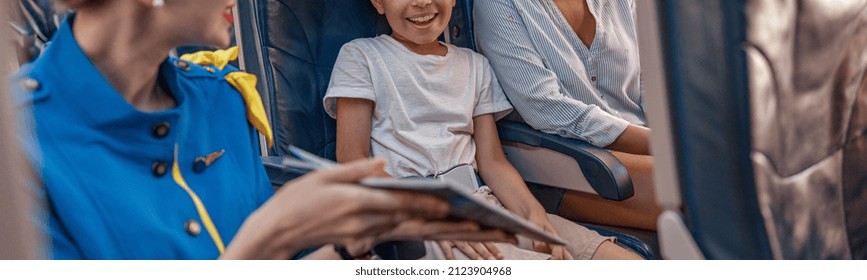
553,80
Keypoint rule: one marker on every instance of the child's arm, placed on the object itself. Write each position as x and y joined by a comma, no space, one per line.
506,184
354,118
498,173
353,128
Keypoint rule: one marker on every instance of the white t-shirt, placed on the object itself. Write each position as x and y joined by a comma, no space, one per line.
424,104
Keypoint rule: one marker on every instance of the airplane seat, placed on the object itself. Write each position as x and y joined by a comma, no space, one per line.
295,46
36,22
768,130
292,46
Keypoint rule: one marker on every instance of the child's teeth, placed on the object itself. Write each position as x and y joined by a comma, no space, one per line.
422,19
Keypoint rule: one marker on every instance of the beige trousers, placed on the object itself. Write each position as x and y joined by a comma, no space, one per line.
581,242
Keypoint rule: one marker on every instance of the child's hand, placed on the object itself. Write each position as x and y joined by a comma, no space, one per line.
558,252
473,250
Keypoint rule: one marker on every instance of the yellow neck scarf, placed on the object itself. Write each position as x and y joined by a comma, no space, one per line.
244,82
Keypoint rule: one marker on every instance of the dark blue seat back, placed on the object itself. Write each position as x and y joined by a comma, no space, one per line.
768,129
299,41
707,79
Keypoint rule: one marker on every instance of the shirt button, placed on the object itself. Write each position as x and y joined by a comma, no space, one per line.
593,78
159,168
161,130
192,227
183,65
29,84
199,165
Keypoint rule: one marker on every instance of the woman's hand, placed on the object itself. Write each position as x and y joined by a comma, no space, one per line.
473,250
326,207
558,252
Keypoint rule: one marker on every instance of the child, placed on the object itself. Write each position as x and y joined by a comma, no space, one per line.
427,107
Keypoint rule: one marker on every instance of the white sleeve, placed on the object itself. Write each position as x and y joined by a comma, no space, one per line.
350,78
491,99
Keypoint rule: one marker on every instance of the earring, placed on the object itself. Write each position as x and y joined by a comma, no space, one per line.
158,3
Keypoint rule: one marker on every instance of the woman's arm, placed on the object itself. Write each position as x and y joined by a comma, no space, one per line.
325,207
327,252
533,88
634,140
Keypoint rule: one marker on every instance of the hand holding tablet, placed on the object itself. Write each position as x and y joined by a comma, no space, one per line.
464,204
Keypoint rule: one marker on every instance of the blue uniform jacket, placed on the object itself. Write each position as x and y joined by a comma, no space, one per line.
106,167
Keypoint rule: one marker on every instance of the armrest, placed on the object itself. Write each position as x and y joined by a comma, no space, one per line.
604,172
642,242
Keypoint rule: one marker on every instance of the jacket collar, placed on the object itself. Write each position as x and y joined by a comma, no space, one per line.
68,74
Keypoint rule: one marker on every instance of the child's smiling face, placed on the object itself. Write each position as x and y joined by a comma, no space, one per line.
417,21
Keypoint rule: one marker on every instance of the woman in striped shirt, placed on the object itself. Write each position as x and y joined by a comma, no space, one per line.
571,67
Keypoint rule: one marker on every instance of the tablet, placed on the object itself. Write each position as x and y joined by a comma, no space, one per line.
466,206
463,204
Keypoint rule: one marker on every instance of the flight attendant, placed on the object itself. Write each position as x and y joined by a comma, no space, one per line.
149,157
